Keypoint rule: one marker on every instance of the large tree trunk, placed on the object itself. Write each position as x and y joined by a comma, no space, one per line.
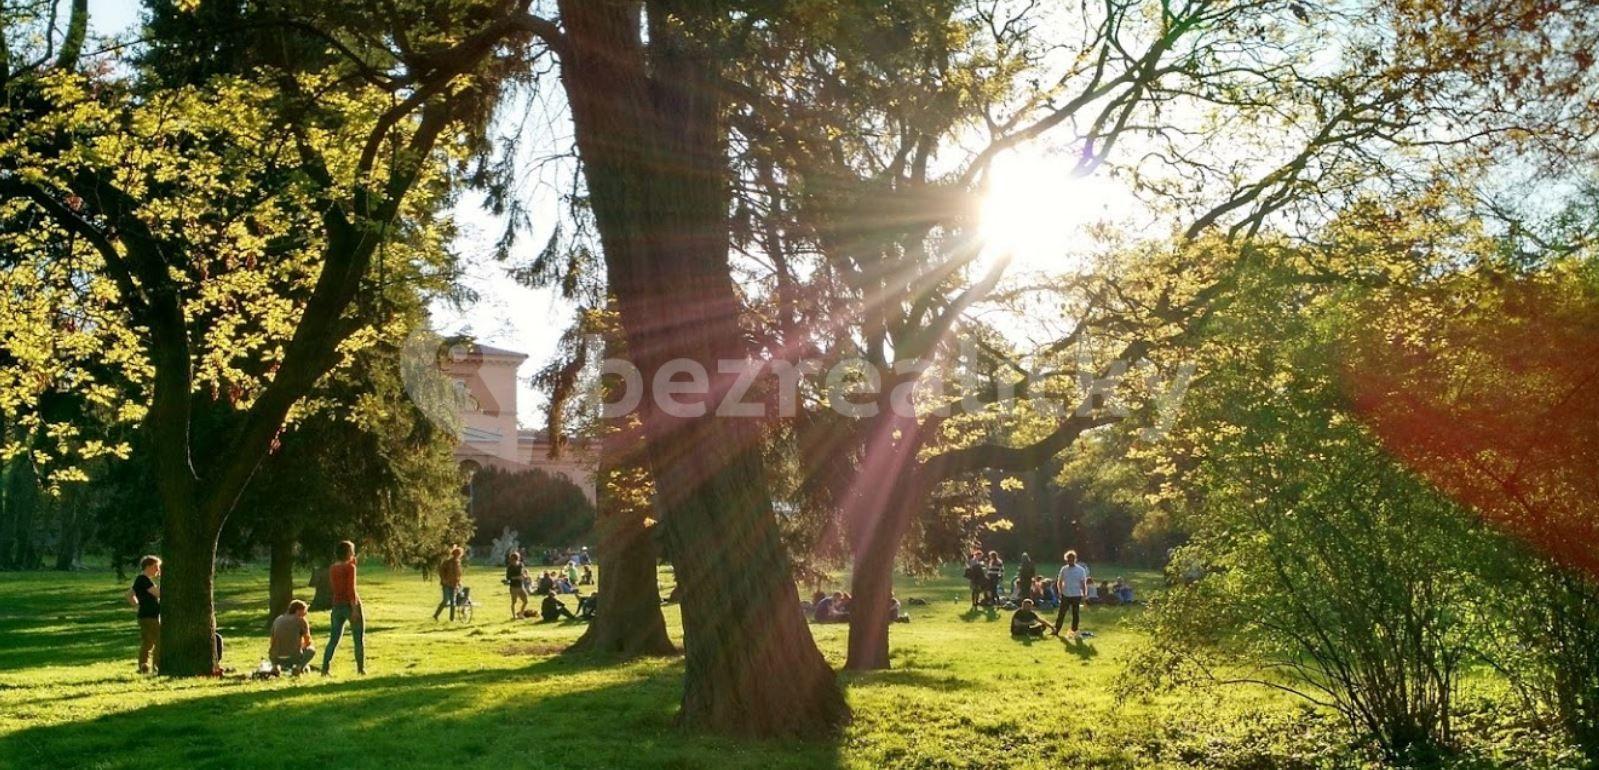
7,506
886,490
889,491
280,577
23,498
871,584
629,622
648,129
188,620
69,507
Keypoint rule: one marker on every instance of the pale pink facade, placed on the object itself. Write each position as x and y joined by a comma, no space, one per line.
490,435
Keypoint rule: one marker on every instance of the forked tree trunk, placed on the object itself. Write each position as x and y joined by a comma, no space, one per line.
629,622
647,122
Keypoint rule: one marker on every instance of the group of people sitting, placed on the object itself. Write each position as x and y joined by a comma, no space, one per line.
549,585
835,608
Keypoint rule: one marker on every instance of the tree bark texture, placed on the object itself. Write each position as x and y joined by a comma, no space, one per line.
648,125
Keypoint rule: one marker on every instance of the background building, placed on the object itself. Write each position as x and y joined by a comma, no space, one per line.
490,436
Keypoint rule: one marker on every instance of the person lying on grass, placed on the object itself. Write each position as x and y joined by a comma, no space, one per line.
1026,622
290,646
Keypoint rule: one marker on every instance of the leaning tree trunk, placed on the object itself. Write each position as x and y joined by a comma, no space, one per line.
280,573
647,121
871,584
888,491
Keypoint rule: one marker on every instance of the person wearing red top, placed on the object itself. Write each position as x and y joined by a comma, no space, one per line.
346,607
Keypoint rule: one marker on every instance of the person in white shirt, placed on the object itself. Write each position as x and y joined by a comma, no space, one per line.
1072,584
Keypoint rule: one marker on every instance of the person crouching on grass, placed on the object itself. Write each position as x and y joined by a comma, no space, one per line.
146,595
291,640
346,608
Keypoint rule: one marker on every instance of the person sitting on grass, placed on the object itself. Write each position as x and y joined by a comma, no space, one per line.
1092,592
1123,591
1026,622
588,575
546,583
290,645
553,610
1051,594
587,606
894,613
831,609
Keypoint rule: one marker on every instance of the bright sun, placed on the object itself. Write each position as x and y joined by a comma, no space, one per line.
1041,215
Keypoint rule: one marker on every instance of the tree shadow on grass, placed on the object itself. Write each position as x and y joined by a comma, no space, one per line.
53,621
904,677
472,719
988,612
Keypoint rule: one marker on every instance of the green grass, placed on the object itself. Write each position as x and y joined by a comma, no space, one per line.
497,693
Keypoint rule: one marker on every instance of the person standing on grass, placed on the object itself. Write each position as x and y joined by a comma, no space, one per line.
1024,577
449,581
1072,586
146,595
290,646
516,578
346,608
994,572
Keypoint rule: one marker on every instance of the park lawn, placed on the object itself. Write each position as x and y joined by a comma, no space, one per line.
496,693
